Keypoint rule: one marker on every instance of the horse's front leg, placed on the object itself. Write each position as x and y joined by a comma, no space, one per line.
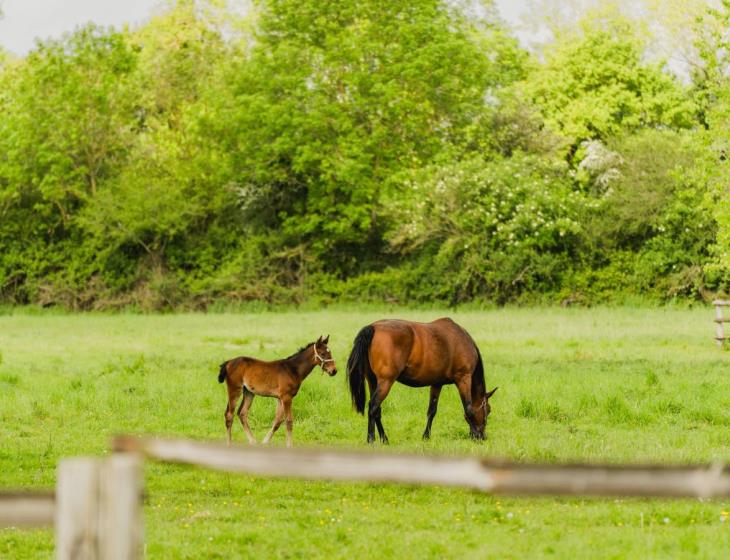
376,399
277,422
289,421
464,387
433,403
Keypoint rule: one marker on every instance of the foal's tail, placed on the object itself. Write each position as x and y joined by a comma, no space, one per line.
223,372
358,367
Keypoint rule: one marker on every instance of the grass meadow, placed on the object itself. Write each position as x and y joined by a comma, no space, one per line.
605,384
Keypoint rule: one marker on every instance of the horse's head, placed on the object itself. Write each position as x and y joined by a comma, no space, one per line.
481,412
323,356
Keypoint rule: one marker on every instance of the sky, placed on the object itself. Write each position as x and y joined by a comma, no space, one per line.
26,20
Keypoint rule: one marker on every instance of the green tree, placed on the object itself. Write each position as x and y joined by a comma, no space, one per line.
65,128
594,85
338,98
66,117
170,189
712,90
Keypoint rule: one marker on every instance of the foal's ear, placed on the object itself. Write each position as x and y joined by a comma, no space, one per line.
326,340
490,393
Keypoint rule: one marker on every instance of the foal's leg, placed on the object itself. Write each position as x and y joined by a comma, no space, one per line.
432,406
376,399
289,420
277,422
243,414
234,392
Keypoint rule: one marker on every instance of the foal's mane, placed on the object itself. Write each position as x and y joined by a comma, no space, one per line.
302,349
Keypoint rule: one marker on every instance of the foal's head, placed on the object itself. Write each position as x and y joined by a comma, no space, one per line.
323,356
481,412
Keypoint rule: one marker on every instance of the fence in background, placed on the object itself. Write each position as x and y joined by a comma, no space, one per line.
97,508
720,320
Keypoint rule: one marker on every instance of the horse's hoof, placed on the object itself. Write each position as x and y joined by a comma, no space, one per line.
426,436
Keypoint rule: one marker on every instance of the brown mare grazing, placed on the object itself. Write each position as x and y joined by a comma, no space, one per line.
280,379
418,355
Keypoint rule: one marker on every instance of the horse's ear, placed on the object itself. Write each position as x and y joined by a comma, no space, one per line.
319,339
490,393
326,339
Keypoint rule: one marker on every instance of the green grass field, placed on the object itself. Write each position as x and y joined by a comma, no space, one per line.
617,385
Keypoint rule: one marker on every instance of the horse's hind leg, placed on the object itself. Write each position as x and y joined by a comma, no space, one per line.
243,414
432,407
376,399
233,393
372,384
277,422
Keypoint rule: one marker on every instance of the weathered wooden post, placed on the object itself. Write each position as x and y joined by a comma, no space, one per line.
719,320
98,508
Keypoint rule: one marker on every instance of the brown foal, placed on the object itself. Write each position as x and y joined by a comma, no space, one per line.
280,379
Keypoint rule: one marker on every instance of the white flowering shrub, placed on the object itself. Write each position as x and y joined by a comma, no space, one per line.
600,166
493,228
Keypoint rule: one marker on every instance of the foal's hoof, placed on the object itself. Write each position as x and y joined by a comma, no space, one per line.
426,436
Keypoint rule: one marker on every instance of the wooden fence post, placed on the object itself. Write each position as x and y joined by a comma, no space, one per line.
77,509
98,509
719,320
120,521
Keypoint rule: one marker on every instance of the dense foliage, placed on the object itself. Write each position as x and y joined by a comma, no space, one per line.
406,151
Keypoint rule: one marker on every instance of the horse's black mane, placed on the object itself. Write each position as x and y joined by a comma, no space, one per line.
302,349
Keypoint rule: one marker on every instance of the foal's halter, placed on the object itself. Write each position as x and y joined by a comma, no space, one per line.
320,358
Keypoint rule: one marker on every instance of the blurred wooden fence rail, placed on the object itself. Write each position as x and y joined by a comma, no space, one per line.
18,509
97,506
499,477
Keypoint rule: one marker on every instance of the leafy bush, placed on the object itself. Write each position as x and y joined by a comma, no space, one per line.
490,229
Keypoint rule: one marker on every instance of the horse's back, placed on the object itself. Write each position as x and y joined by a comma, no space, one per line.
446,337
421,353
244,367
457,335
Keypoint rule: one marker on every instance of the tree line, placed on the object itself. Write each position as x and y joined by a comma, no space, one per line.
410,151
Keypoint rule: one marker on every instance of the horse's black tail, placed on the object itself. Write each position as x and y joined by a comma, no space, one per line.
358,367
223,372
